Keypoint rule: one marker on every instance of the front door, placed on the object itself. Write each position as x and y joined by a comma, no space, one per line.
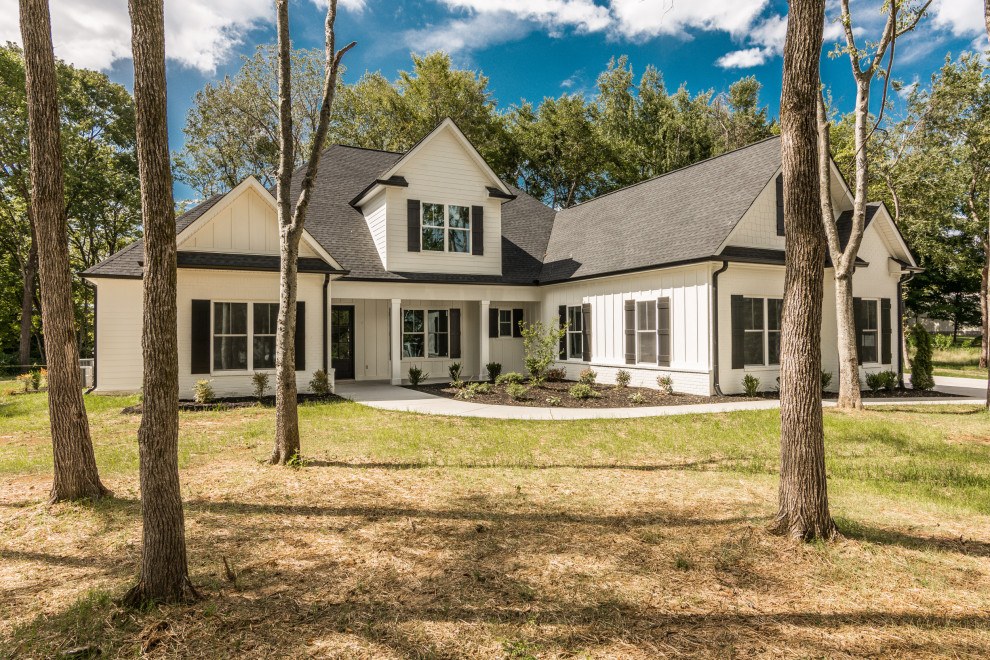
342,341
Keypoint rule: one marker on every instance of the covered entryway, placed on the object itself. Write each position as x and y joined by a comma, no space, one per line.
342,341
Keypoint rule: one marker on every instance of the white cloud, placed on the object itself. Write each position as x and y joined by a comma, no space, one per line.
961,17
640,19
744,59
583,15
472,33
200,35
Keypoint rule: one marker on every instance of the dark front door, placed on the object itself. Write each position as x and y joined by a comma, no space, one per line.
342,341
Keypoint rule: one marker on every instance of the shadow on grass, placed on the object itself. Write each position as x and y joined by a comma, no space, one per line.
421,465
883,536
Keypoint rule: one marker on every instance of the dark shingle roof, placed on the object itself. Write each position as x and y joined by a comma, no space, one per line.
844,222
680,216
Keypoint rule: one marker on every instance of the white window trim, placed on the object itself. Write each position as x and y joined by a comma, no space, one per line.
765,332
447,228
876,331
250,370
579,332
508,334
426,332
656,320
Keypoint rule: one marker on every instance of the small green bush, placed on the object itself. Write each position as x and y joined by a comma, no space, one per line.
751,384
260,381
517,391
666,383
888,380
637,398
510,378
494,370
203,391
320,383
588,377
540,343
417,376
481,388
555,401
454,370
941,342
826,380
921,366
26,380
35,378
874,382
622,378
465,393
584,391
555,375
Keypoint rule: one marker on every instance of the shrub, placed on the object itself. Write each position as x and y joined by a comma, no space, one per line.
494,369
888,380
541,342
666,383
43,381
874,382
203,391
260,380
517,391
455,373
320,384
555,401
511,378
826,380
584,391
921,367
35,378
941,342
587,377
481,388
637,398
466,393
622,378
25,379
555,375
417,376
751,384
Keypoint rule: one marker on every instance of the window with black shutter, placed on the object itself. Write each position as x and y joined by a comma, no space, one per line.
780,205
629,323
663,332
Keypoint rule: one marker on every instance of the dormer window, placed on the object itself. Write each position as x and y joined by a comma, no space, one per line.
446,228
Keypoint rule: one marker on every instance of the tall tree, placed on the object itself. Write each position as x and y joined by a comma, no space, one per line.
164,571
76,474
902,16
292,221
803,501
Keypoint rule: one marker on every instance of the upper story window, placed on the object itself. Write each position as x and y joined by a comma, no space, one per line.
446,228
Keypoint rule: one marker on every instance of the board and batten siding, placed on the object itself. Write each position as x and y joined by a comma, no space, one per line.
509,351
443,172
688,290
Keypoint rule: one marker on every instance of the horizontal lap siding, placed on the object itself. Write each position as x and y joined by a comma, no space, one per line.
375,215
688,291
118,339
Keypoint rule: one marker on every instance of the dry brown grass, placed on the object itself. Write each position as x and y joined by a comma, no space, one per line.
385,560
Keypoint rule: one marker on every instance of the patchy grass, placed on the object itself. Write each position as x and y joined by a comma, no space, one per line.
424,537
960,361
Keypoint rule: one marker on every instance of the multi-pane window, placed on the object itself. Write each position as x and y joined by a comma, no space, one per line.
505,323
761,327
263,341
446,228
575,329
646,331
425,333
230,336
867,320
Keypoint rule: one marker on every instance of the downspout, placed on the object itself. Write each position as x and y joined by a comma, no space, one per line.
326,331
725,267
95,315
904,279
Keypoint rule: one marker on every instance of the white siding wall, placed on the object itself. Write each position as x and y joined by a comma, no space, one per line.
443,172
118,335
508,351
371,349
374,215
688,290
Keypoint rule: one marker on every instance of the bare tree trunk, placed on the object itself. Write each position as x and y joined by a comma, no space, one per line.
803,508
291,226
164,572
76,475
984,314
27,298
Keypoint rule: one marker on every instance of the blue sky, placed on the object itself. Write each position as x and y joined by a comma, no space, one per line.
528,48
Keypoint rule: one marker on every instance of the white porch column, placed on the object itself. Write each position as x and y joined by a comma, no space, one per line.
483,339
395,337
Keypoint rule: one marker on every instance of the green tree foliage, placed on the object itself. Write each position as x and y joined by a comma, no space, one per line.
101,184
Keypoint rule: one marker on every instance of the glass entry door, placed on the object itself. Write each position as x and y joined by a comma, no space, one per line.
342,341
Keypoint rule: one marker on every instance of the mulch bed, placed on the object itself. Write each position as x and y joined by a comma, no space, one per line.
899,393
611,396
230,403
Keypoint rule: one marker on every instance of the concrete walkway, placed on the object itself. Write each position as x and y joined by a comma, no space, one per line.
389,397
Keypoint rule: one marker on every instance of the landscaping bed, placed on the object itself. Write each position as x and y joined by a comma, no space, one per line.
557,395
899,393
230,403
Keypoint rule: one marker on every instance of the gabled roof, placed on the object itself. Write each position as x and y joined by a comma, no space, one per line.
677,217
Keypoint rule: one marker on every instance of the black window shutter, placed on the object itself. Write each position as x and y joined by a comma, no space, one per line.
477,230
562,320
780,205
629,314
455,333
738,333
412,224
586,332
886,330
300,336
517,317
663,332
493,322
859,322
200,337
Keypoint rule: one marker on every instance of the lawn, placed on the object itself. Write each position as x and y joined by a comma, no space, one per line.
425,537
960,361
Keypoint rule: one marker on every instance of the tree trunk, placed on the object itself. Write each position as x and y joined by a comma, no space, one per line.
984,316
849,396
164,572
27,298
76,475
803,508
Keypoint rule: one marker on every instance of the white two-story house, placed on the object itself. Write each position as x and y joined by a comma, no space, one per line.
426,258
